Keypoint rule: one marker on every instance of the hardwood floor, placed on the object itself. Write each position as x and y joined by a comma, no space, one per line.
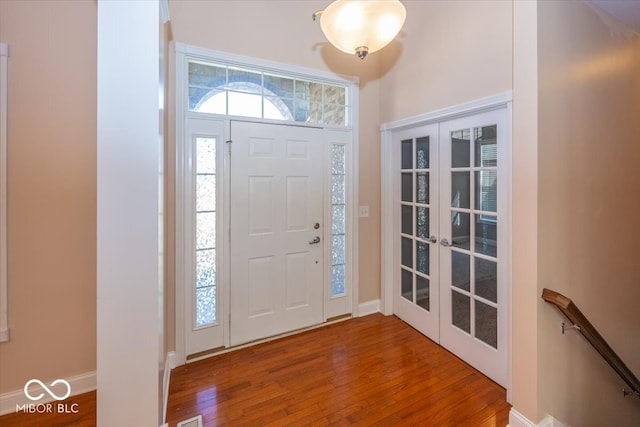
84,416
373,370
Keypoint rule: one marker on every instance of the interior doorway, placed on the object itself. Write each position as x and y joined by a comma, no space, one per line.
448,265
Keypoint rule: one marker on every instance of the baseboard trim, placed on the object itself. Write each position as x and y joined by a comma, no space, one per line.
516,419
368,307
80,384
169,364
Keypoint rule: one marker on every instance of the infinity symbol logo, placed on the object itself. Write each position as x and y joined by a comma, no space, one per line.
47,389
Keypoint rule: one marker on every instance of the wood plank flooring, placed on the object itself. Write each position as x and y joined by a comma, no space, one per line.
373,370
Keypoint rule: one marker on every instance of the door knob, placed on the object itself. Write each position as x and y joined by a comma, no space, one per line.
445,242
432,239
315,240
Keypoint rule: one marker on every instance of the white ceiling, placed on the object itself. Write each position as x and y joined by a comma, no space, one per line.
627,11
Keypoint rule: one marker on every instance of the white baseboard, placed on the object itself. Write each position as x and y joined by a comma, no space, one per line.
516,419
80,384
169,364
369,307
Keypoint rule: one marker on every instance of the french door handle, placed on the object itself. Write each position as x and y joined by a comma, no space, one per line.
315,240
445,242
432,239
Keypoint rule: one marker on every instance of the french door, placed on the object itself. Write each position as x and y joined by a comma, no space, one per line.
451,253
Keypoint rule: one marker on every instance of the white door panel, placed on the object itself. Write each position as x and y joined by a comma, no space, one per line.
416,287
276,198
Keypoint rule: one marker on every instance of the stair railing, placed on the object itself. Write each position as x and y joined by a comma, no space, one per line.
580,323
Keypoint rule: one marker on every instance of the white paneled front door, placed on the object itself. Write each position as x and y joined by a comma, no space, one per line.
276,235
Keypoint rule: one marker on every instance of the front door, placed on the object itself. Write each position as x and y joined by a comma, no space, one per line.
452,246
276,236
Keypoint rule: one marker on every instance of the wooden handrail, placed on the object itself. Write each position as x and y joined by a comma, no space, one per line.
582,324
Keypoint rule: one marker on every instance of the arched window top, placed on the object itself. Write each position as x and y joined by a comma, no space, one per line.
229,90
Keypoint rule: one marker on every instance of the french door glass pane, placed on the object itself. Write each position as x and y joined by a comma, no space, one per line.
205,198
422,292
422,187
460,186
486,323
406,285
422,257
407,252
460,270
406,154
486,190
486,279
486,235
460,144
486,149
422,222
461,311
422,153
407,219
407,187
460,229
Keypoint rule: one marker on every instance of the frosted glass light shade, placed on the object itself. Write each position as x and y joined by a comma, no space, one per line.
362,26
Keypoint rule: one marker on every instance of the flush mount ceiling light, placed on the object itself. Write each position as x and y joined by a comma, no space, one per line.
361,26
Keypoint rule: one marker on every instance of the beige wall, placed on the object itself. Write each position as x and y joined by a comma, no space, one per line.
51,190
448,52
589,227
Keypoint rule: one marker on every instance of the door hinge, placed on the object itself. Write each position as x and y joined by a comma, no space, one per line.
229,142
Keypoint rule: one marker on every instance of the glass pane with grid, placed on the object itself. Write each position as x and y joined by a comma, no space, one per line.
250,92
205,201
415,246
338,219
474,219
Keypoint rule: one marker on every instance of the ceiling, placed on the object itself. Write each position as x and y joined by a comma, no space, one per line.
627,11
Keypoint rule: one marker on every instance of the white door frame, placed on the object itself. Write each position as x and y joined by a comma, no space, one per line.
389,220
349,136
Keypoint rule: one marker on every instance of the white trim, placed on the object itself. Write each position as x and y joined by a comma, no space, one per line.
4,294
516,419
477,106
387,159
169,364
353,223
165,16
368,307
80,384
509,241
